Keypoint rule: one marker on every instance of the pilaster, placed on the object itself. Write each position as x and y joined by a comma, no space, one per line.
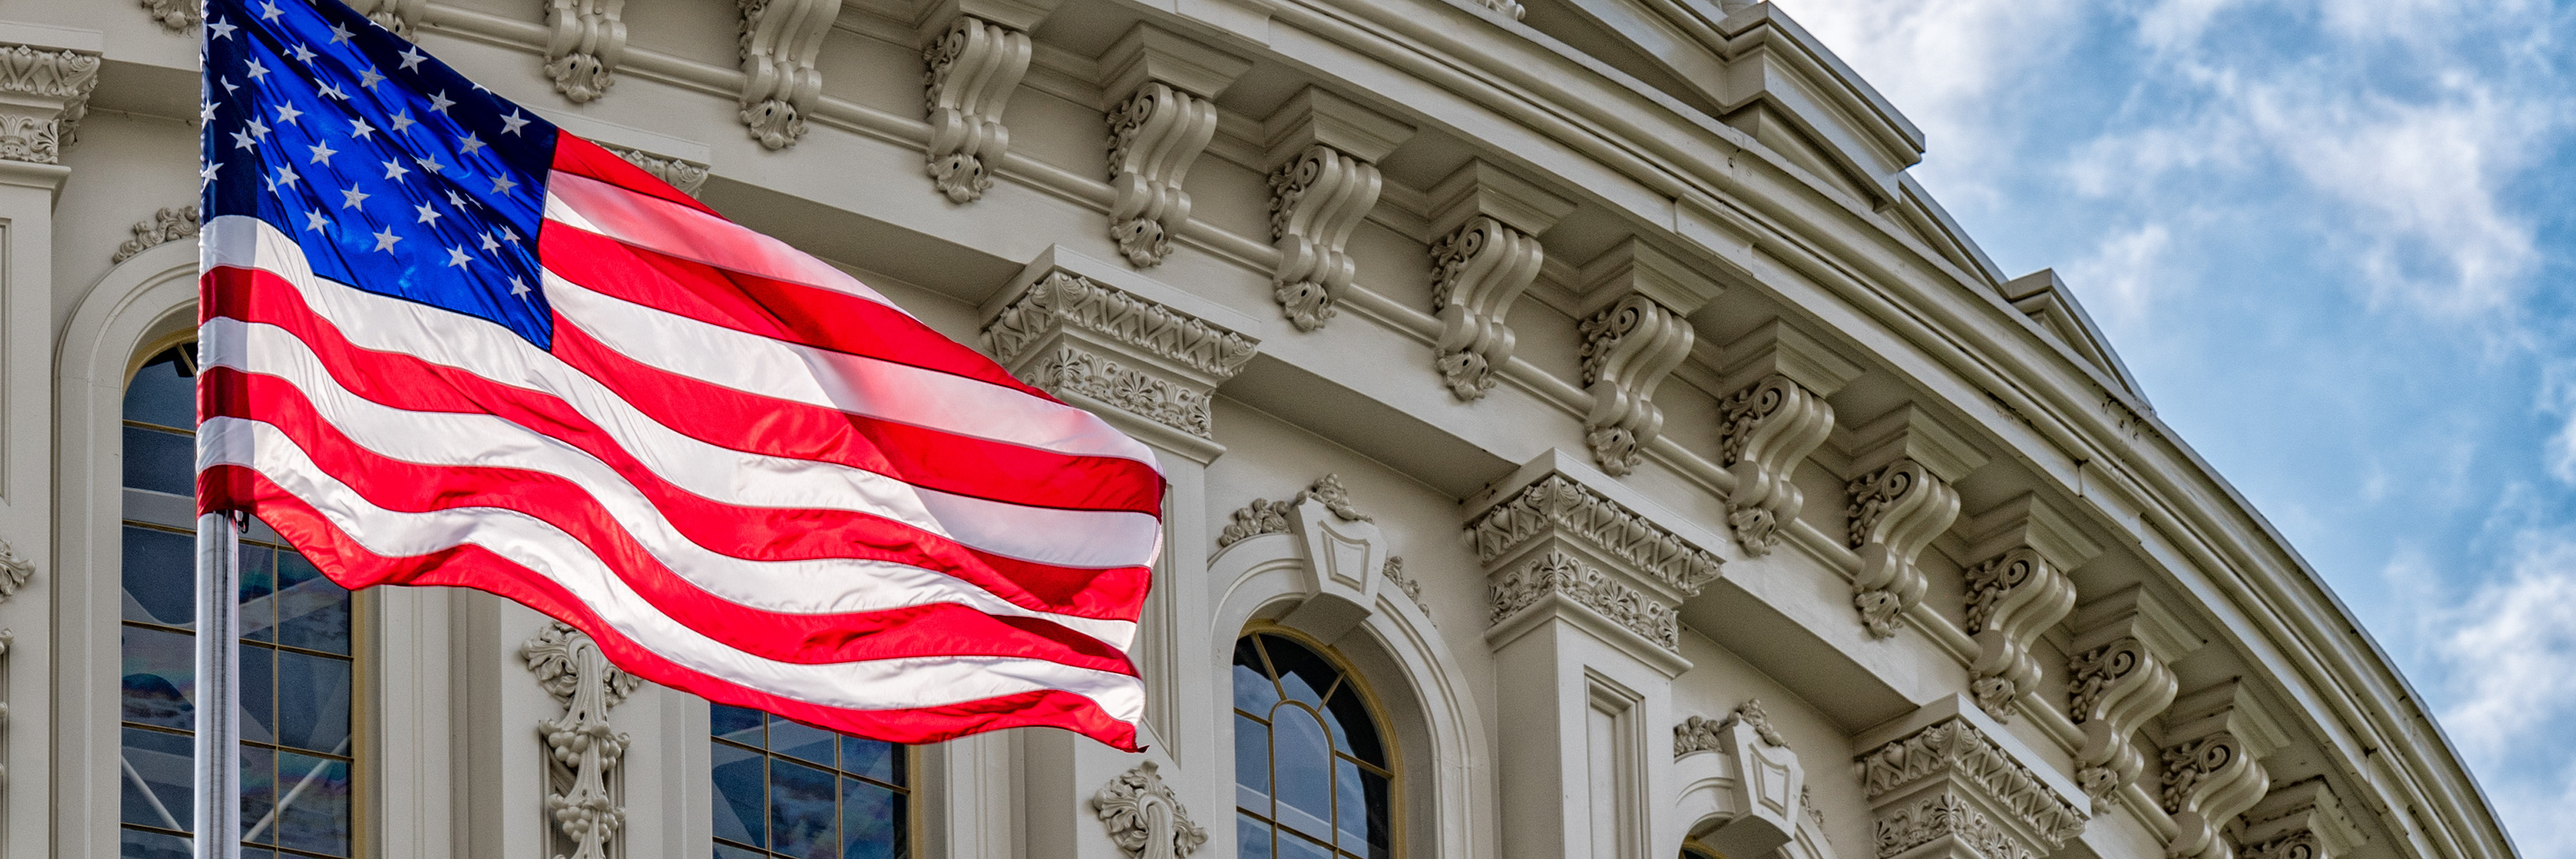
1585,579
2120,676
1160,88
1325,149
2017,593
2214,744
1775,417
1901,501
779,44
1636,302
975,52
1948,781
2301,820
1488,221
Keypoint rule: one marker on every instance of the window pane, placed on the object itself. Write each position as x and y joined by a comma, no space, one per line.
1253,692
1251,764
872,824
1381,836
163,392
313,804
1293,847
800,741
739,724
158,774
877,760
1302,764
742,812
1251,838
259,694
160,461
1361,812
259,794
160,577
160,678
1305,676
728,851
313,695
150,845
801,813
1353,731
312,611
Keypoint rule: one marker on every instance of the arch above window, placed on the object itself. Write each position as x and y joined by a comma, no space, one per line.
1312,774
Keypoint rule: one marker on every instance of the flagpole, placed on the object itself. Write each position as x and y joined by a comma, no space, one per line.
218,758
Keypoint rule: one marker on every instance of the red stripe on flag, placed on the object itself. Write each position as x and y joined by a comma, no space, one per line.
583,158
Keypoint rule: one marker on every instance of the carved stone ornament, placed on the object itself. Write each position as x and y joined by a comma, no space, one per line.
1556,505
779,42
1154,137
2301,820
14,571
2012,599
400,16
1395,575
177,16
972,69
583,749
585,40
1264,516
1765,430
1062,305
1477,272
1143,817
2115,689
1703,734
2213,768
43,95
165,226
1628,349
1560,574
687,176
1507,7
1316,199
1949,785
1894,513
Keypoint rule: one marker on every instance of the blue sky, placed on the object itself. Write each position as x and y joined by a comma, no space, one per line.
2336,242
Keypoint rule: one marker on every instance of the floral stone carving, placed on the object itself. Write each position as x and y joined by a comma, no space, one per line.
1264,516
1628,349
1950,781
1768,428
1143,817
43,95
165,226
1895,512
971,69
586,39
1556,504
583,749
2012,599
1559,574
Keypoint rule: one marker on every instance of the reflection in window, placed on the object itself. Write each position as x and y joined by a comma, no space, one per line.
1310,774
297,675
790,790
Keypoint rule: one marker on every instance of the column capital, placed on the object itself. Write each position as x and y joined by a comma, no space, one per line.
1143,354
44,92
1560,534
1947,781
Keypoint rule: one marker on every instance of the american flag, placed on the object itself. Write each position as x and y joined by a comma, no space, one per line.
446,343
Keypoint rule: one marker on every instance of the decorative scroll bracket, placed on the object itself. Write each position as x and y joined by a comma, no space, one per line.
1635,327
1488,254
2214,745
2301,820
586,39
1776,416
1326,148
1900,503
779,43
2018,593
1160,86
975,52
2119,677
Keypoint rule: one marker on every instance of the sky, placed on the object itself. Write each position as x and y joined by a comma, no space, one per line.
2335,240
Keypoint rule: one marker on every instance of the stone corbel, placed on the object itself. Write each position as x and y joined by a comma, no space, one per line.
2214,745
1555,545
1326,149
778,45
2119,677
2302,820
1947,782
1144,355
1347,564
400,16
586,40
976,51
583,749
1486,255
2017,593
1739,764
1160,88
1900,503
1636,329
1775,417
44,92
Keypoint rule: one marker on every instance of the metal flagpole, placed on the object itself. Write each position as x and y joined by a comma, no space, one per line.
218,770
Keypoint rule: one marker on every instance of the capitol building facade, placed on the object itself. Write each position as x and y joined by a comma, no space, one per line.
1586,441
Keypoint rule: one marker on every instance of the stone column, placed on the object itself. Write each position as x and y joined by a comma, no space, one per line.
1776,417
1634,317
1147,357
46,75
1585,580
1159,88
1901,501
2214,743
976,51
1948,782
1486,255
2017,593
2119,675
1325,150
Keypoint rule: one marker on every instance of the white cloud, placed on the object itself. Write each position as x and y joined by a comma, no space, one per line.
2513,656
2123,275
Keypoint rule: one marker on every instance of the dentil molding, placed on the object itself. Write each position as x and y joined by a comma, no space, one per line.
1486,256
1326,149
1953,784
584,40
1901,502
1144,818
779,42
2017,593
1160,88
44,92
165,226
1774,418
583,750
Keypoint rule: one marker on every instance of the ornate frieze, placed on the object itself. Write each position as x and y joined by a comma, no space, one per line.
1326,148
1901,502
44,92
177,16
1775,416
972,66
1144,818
1486,255
2016,594
1558,506
583,749
1161,114
1950,789
1549,541
1076,336
584,40
777,47
1557,574
2213,767
688,176
2117,680
165,226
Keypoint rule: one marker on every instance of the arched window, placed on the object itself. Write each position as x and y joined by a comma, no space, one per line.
799,792
1310,770
297,674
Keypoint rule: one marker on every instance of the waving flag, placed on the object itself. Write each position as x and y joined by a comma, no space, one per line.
448,344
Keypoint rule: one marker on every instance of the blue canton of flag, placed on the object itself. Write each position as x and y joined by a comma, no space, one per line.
393,172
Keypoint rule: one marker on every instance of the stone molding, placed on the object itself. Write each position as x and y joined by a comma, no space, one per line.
1161,88
1326,180
583,749
165,226
1901,502
972,65
1549,542
1950,789
1143,817
585,39
779,42
44,92
2301,820
1559,507
1064,299
2118,678
2213,770
1486,256
1775,416
1557,574
2018,593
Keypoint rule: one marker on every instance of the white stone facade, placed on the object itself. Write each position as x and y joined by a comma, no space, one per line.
1615,383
